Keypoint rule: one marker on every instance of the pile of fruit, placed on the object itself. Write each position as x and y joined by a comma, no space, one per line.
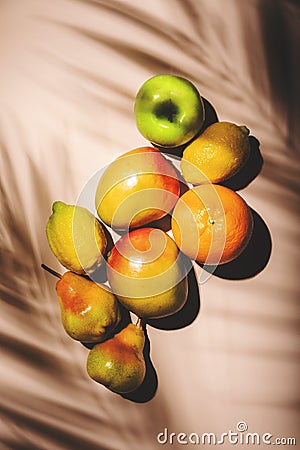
146,267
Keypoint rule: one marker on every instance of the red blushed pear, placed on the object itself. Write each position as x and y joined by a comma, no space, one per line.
137,188
89,311
118,363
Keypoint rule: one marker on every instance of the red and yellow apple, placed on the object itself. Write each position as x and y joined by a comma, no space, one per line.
147,273
137,188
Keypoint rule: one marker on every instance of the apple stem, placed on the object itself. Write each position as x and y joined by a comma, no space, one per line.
53,272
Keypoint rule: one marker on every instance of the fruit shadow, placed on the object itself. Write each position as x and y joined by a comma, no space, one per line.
250,171
253,259
147,390
210,115
188,312
210,118
100,274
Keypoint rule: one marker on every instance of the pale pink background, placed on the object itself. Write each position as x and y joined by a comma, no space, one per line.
69,74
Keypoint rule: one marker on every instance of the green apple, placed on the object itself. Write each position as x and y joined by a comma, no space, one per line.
169,110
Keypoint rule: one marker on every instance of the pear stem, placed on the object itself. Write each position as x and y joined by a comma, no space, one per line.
139,323
53,272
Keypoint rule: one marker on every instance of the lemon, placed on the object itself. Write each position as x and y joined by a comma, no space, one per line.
217,154
76,237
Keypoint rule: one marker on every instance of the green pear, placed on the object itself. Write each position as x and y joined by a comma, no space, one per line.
89,310
118,363
76,238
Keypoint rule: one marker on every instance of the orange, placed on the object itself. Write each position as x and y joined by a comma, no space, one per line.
212,224
147,273
218,154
